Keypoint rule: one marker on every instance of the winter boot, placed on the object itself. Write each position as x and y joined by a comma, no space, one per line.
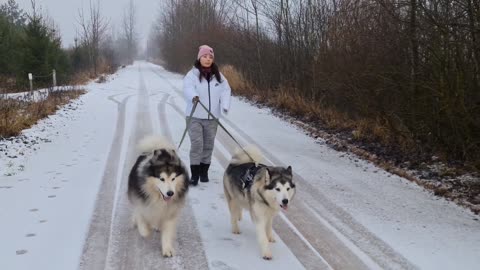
195,169
204,172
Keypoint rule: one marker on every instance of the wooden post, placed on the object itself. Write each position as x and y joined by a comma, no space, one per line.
30,78
54,74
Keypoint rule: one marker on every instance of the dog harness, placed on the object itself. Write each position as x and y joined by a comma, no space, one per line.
247,179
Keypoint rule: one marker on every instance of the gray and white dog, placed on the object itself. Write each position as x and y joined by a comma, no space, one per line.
157,186
261,189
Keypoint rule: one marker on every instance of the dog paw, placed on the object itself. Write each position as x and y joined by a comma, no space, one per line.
133,223
267,255
236,231
144,232
168,252
271,239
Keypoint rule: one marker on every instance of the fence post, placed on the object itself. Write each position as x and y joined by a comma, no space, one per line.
54,74
30,78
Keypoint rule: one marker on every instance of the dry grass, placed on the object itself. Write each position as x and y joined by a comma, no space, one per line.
240,86
81,78
84,77
7,84
372,131
17,115
235,78
104,67
290,102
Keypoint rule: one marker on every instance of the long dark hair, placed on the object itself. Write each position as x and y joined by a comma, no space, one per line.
215,71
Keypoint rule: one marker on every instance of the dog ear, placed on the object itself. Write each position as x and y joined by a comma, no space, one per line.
174,159
150,169
157,152
267,176
289,170
180,171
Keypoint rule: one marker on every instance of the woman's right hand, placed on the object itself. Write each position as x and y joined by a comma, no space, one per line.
195,99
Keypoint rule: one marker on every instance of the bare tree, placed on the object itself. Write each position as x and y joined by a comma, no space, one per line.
130,34
93,29
412,65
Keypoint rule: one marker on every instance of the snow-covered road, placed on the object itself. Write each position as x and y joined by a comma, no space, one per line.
63,205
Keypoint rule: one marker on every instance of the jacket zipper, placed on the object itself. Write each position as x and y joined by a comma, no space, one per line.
209,101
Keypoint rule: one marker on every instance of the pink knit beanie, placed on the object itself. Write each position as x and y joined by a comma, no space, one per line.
203,50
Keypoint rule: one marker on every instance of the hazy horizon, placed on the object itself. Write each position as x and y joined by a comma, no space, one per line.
65,15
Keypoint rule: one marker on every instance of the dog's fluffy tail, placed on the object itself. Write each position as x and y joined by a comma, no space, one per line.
240,157
153,142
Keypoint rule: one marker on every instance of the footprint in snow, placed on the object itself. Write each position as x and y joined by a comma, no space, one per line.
195,201
227,239
221,265
21,252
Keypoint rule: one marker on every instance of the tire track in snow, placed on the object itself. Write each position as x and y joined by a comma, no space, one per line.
112,243
356,238
127,249
96,242
298,246
320,237
188,235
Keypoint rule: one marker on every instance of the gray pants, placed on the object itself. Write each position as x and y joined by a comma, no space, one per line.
202,138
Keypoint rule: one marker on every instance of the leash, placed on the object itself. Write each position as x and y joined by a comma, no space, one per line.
218,122
189,121
226,131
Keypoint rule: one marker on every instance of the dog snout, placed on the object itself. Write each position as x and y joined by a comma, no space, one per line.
285,201
170,193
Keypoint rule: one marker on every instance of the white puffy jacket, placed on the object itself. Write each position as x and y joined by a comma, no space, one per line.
214,95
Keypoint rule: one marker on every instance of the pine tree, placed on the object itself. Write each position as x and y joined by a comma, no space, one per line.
13,13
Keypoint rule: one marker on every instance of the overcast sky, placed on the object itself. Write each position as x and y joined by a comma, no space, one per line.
65,14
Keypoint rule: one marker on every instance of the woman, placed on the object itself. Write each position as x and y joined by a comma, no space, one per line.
204,83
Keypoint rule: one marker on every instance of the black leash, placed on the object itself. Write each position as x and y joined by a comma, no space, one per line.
189,121
226,131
